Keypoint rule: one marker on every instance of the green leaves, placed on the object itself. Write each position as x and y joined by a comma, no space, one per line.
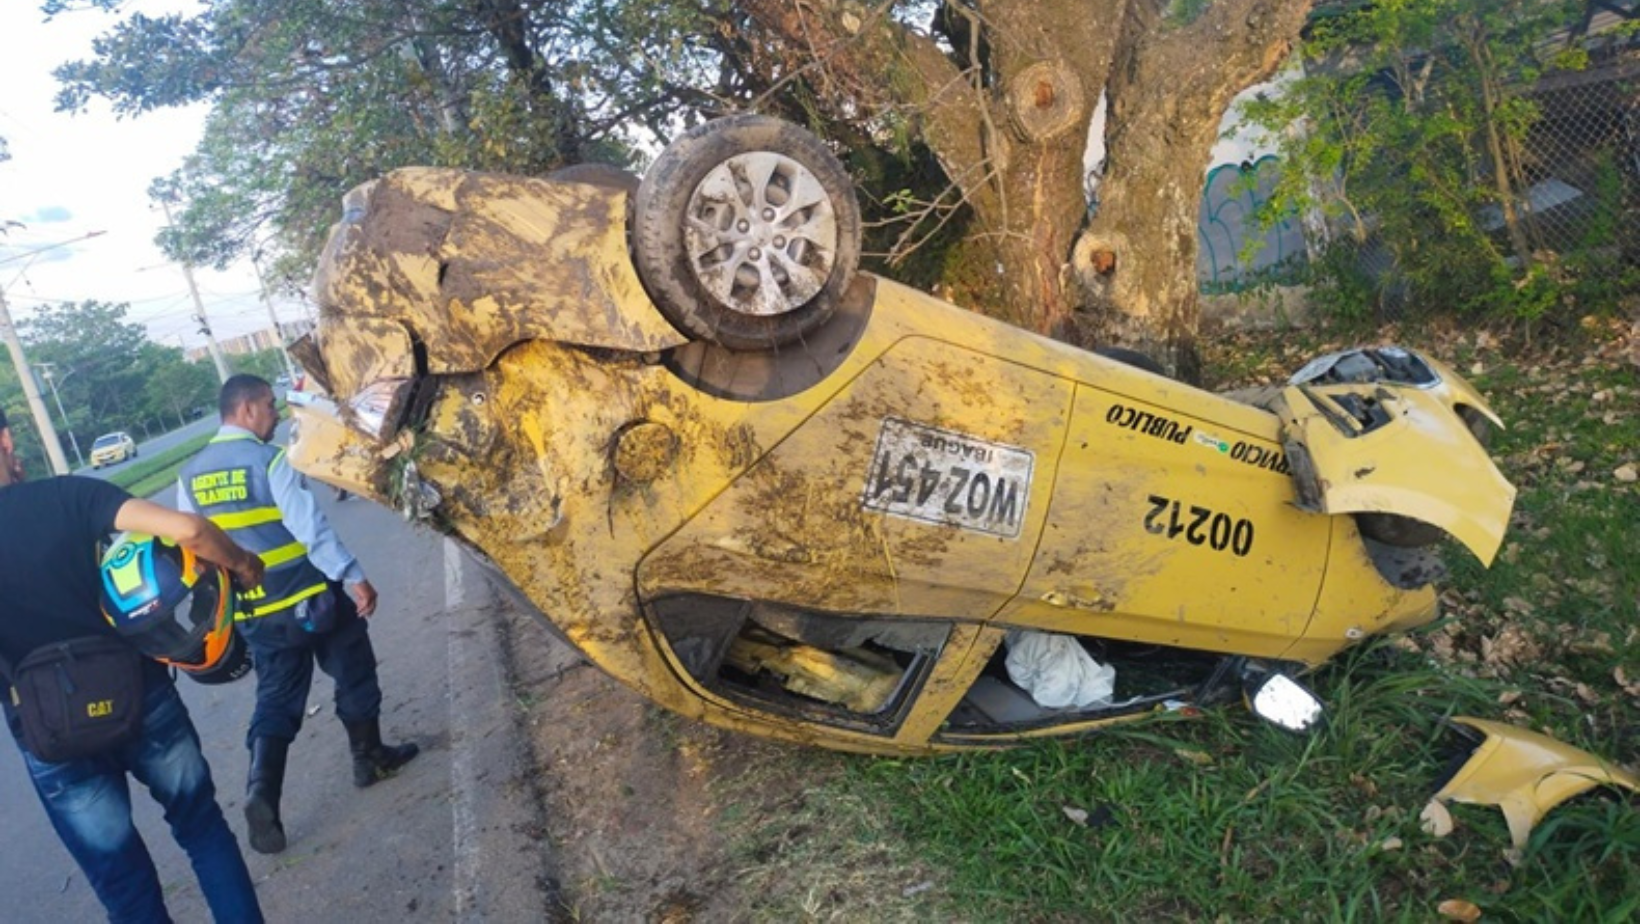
1419,114
145,63
106,373
310,98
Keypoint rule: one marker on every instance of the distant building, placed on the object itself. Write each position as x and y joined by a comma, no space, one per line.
253,342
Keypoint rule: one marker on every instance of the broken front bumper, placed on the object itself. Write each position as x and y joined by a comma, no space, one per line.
1396,438
1525,774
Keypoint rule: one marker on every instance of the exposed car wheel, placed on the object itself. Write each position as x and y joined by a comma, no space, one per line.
1401,532
746,232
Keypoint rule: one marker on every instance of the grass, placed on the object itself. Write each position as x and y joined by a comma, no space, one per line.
1217,818
146,476
1223,818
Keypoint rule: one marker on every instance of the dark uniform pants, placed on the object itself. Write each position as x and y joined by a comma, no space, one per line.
284,654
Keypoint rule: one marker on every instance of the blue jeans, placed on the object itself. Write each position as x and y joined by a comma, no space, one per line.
89,803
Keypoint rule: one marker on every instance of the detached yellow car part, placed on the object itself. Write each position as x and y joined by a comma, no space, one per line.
1526,774
773,493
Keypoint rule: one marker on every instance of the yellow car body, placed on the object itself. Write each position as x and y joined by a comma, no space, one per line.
112,449
831,541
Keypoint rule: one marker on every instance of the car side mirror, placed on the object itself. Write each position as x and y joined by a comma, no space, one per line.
1280,699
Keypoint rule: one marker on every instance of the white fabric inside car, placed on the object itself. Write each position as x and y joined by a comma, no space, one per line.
1057,671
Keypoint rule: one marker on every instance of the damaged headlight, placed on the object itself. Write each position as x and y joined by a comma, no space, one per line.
378,408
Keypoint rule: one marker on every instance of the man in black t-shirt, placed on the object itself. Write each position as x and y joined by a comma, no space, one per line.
49,532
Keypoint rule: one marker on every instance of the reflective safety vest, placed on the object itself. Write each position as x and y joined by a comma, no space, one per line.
228,483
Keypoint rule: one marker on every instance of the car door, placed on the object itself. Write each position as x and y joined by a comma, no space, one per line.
1172,523
910,502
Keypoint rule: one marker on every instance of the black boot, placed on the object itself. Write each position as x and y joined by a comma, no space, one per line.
372,760
267,782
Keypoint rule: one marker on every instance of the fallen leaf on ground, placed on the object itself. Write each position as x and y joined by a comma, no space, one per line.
1595,643
1199,758
1630,687
1437,820
1511,645
1456,909
1390,844
1363,783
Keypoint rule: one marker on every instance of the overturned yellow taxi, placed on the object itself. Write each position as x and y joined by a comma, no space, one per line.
789,498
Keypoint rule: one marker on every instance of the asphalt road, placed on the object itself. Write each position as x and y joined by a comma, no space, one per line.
155,446
450,838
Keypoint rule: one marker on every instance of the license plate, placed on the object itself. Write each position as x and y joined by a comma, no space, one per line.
950,479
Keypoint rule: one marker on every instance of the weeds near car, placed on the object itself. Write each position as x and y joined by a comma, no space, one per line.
1222,817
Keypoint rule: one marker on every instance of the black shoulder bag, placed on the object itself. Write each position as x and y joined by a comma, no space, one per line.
77,698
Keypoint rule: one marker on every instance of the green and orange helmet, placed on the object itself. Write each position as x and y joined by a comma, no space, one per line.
174,607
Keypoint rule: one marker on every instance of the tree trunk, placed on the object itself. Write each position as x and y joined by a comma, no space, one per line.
1005,108
1027,190
1137,257
450,99
506,22
1502,165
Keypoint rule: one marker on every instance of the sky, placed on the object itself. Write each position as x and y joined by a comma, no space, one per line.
72,175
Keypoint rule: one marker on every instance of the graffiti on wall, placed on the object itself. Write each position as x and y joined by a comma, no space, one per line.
1232,250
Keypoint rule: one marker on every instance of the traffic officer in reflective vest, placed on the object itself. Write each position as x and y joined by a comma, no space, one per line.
312,605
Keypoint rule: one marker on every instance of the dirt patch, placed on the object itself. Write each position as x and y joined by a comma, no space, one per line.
654,817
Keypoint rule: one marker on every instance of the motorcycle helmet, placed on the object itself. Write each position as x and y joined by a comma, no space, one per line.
173,607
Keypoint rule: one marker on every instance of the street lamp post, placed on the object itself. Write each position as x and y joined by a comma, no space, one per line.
31,391
278,331
199,305
49,370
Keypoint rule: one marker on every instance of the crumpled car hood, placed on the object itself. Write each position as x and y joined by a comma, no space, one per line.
1362,440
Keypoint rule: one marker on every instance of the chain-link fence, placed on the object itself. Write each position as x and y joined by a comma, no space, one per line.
1574,187
1583,160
